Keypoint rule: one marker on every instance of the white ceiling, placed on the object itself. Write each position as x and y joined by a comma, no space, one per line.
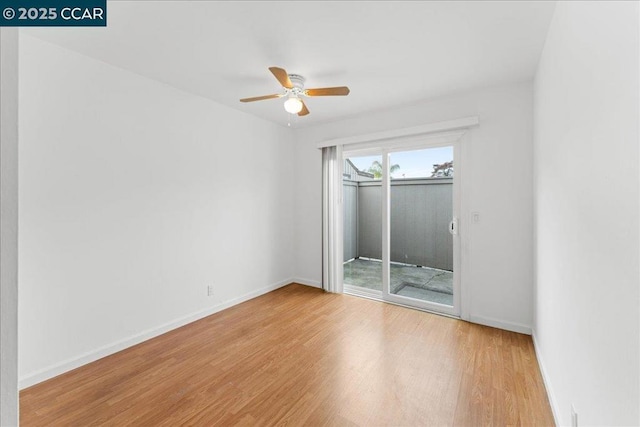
388,53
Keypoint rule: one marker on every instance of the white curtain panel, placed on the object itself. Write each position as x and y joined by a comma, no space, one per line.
332,219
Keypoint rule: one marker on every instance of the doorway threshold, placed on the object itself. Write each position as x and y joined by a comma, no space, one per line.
375,295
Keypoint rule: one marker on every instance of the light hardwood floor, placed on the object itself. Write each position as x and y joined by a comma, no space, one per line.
299,356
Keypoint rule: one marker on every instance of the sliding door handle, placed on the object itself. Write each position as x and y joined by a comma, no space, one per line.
453,227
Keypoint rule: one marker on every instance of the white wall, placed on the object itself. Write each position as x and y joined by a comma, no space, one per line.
586,189
497,264
9,227
134,197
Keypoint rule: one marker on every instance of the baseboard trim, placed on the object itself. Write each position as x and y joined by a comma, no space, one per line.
109,349
501,324
545,379
308,282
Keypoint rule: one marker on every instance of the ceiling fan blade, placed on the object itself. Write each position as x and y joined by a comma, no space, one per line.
328,91
304,110
282,77
260,98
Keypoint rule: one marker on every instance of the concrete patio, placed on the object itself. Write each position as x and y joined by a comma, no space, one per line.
423,283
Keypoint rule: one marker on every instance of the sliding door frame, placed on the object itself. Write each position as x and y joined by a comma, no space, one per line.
453,310
385,148
444,132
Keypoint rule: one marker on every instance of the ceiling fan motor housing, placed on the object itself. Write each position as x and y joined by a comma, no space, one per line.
298,84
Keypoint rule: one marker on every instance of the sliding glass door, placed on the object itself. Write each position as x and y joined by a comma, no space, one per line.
422,228
400,227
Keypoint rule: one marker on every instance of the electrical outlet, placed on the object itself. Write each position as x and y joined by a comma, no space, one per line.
210,290
574,417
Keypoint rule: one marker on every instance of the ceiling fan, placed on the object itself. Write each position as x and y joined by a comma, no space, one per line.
293,86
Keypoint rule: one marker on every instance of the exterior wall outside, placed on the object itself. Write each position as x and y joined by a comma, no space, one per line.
421,210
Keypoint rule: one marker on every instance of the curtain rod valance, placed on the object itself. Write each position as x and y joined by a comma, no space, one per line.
430,128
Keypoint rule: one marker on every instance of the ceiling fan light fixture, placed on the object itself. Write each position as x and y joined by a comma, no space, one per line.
293,105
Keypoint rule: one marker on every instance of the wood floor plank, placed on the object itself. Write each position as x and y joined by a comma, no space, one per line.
299,356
